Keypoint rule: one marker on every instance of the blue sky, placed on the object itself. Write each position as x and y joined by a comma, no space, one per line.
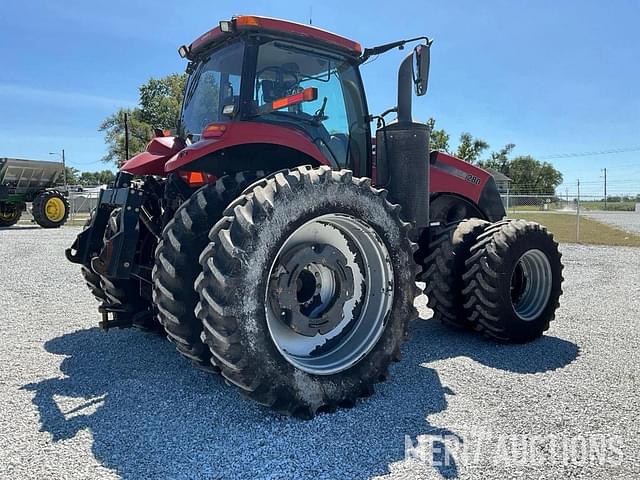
551,77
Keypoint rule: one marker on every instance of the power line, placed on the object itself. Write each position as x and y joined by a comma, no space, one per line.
588,154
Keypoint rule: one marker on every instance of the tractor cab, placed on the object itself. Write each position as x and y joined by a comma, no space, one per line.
274,72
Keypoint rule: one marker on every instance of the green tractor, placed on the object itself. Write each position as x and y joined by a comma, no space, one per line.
23,181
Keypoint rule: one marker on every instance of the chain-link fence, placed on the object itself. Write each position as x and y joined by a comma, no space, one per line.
581,218
571,217
82,204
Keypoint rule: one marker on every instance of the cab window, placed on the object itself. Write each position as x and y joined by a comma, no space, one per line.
335,120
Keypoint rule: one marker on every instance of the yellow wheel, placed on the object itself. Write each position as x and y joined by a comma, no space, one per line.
55,209
50,209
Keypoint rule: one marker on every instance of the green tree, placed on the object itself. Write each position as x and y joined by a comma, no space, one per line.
533,176
106,176
88,178
159,107
470,148
140,133
499,160
96,178
160,101
438,139
528,175
71,175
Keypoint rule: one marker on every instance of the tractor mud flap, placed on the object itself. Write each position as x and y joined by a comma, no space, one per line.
111,257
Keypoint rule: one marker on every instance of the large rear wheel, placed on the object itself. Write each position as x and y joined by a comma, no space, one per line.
306,290
50,209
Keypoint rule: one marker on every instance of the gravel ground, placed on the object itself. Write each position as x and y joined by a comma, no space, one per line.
629,221
76,402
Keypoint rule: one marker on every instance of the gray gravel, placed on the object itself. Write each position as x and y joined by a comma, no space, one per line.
629,221
76,402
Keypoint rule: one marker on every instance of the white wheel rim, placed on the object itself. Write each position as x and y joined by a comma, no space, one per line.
363,316
531,284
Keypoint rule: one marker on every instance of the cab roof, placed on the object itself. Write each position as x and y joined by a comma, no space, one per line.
253,23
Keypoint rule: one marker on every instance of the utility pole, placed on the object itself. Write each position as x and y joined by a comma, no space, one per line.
578,215
64,167
64,171
605,188
126,137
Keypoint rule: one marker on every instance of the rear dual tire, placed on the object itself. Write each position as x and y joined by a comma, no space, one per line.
444,266
177,263
502,279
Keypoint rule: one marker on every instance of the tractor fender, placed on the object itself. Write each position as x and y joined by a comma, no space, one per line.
152,161
457,178
246,134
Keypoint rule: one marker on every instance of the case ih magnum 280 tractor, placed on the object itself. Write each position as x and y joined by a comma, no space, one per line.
273,244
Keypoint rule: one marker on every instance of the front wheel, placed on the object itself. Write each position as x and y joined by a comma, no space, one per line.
306,290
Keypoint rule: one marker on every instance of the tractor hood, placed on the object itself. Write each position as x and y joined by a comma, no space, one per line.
153,159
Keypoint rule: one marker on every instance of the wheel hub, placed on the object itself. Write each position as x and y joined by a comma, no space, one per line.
54,209
310,288
531,284
328,294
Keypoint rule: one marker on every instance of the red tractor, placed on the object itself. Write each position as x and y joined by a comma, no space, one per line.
275,241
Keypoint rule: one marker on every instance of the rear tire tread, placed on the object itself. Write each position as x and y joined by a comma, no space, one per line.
177,267
443,269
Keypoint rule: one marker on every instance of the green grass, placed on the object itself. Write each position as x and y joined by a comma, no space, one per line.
592,232
533,208
611,206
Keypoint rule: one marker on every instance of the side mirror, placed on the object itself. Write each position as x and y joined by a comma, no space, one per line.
421,54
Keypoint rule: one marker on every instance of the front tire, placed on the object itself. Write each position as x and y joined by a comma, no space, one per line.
513,281
50,209
306,290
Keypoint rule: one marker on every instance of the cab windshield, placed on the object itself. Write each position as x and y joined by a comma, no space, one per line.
214,84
